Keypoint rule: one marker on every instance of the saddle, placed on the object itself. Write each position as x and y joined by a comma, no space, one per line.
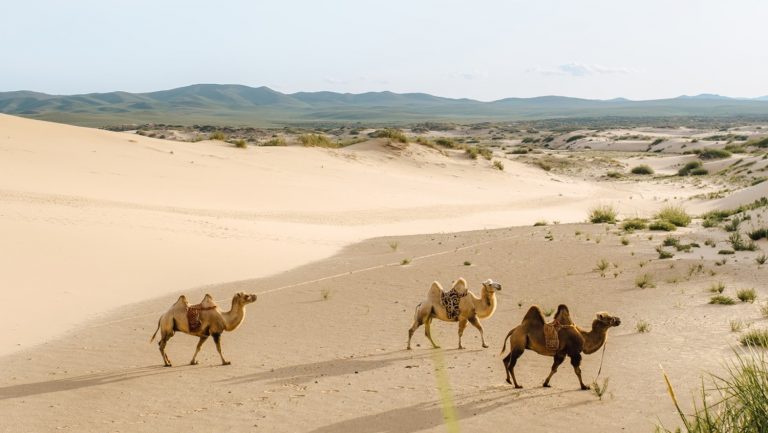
193,316
551,333
450,301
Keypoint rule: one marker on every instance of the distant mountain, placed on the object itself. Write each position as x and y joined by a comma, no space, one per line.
218,104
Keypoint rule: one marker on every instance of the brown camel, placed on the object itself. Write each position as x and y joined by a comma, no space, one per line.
202,320
468,308
573,341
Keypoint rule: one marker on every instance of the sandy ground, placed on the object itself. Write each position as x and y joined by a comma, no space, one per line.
104,229
92,219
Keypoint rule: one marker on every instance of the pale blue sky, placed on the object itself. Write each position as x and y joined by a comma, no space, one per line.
482,49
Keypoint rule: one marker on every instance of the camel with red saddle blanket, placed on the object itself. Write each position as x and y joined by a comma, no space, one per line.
202,320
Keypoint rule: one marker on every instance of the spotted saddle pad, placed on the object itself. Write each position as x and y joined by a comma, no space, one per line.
551,338
193,316
450,301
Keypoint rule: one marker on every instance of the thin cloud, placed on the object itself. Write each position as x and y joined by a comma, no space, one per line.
579,70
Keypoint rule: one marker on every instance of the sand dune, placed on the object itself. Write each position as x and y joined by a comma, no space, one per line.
99,219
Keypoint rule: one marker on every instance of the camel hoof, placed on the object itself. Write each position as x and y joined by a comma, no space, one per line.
509,381
485,346
168,365
461,347
518,387
546,385
193,362
585,387
408,348
226,363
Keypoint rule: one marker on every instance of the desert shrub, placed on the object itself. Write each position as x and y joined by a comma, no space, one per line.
498,165
475,151
274,141
624,241
736,325
325,294
391,133
663,226
759,338
685,171
316,140
543,165
467,263
740,401
519,151
761,259
664,254
718,287
721,300
733,225
644,281
540,223
738,243
763,142
746,295
758,234
574,138
602,266
218,135
657,141
674,214
447,142
701,171
671,241
714,154
642,326
726,252
633,224
240,144
614,175
642,169
602,214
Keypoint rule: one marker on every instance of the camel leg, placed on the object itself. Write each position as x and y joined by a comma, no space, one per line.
162,343
476,323
428,332
462,325
203,338
558,360
417,321
509,362
576,363
217,340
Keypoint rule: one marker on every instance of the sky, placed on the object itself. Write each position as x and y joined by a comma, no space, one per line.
481,49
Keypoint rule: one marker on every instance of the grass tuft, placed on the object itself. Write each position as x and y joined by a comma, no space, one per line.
746,295
644,281
602,214
674,214
721,300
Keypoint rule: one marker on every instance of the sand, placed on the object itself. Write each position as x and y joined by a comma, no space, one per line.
107,228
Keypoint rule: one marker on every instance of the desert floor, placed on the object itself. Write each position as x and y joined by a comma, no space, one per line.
106,229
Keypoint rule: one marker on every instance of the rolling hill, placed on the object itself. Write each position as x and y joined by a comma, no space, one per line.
218,104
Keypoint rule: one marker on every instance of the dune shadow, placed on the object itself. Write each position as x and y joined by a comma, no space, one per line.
303,373
77,382
422,416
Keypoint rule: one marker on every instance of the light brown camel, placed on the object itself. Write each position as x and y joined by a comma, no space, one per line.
573,341
209,319
470,309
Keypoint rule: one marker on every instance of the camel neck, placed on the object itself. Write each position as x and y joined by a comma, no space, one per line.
595,338
234,316
486,305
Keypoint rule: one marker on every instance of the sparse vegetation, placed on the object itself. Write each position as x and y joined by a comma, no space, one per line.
325,294
540,223
498,165
633,224
664,254
602,214
274,141
642,327
736,325
599,390
761,259
644,281
674,214
394,245
467,263
714,154
738,243
316,140
757,338
602,266
391,133
718,287
405,261
662,225
746,295
642,169
721,300
686,170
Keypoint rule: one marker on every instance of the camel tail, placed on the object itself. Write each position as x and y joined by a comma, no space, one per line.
504,347
158,328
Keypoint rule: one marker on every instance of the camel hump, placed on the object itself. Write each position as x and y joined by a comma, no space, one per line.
435,290
534,315
460,286
207,301
182,301
563,315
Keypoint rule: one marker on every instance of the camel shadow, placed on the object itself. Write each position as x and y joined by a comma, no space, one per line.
77,382
303,373
422,416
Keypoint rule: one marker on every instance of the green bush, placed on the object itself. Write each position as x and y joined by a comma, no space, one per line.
721,300
714,154
633,224
275,141
218,135
316,140
746,295
663,226
756,338
686,170
602,214
674,214
701,171
642,169
391,133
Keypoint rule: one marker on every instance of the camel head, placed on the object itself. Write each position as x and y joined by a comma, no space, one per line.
243,298
491,286
607,320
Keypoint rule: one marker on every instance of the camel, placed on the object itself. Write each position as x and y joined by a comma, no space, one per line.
573,341
470,309
210,320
